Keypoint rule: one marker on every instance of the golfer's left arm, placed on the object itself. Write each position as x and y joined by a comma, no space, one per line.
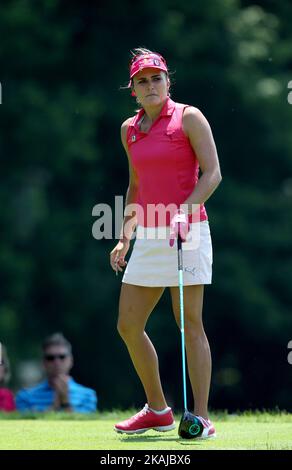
198,130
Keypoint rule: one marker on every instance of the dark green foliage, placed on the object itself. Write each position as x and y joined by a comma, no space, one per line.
61,66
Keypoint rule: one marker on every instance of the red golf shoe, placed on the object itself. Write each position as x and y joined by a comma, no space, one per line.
209,430
147,419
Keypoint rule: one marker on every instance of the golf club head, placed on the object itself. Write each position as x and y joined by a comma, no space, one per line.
190,426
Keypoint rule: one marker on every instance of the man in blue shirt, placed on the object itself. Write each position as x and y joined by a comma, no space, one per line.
59,391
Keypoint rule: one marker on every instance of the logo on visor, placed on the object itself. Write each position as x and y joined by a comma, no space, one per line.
156,62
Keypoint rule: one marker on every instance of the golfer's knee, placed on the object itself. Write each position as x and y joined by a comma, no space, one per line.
194,329
127,329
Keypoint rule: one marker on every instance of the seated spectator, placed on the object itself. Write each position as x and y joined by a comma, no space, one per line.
6,396
59,391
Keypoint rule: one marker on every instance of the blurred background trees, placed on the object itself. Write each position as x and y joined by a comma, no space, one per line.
61,68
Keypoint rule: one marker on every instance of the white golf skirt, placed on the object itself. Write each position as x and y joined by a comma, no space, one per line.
153,263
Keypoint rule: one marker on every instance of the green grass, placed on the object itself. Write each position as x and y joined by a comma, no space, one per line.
250,430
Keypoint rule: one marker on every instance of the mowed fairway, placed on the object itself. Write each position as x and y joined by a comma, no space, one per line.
267,431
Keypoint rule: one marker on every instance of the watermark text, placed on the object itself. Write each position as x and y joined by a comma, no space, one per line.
289,358
289,97
112,223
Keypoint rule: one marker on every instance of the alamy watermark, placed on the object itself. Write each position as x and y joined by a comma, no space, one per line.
289,358
152,222
289,97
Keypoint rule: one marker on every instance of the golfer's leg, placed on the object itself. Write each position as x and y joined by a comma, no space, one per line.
135,307
197,346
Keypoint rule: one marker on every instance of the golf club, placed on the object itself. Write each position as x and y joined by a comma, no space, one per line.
190,426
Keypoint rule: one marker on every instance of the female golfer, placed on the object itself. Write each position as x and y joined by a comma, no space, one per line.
166,143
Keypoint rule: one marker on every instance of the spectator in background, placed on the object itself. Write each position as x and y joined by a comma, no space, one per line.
59,391
6,396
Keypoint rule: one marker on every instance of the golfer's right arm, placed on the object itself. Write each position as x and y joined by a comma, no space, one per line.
130,221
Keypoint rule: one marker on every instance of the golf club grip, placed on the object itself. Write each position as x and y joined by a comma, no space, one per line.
179,253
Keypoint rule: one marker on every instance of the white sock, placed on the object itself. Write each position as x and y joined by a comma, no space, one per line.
160,412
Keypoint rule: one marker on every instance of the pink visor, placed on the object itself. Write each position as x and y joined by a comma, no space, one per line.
154,61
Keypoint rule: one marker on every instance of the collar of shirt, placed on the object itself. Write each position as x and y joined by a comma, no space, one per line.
166,110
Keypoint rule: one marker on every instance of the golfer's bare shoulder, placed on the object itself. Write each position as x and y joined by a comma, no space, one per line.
124,130
194,122
198,130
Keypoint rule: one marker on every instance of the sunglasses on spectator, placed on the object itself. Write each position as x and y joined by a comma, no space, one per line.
53,357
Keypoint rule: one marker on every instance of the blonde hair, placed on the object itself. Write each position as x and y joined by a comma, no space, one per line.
141,51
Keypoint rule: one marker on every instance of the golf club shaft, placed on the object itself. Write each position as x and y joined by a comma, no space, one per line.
182,326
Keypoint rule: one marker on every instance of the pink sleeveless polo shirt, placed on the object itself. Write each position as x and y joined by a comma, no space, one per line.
166,166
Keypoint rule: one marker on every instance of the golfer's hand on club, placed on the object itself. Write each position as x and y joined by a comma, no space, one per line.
179,226
117,255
